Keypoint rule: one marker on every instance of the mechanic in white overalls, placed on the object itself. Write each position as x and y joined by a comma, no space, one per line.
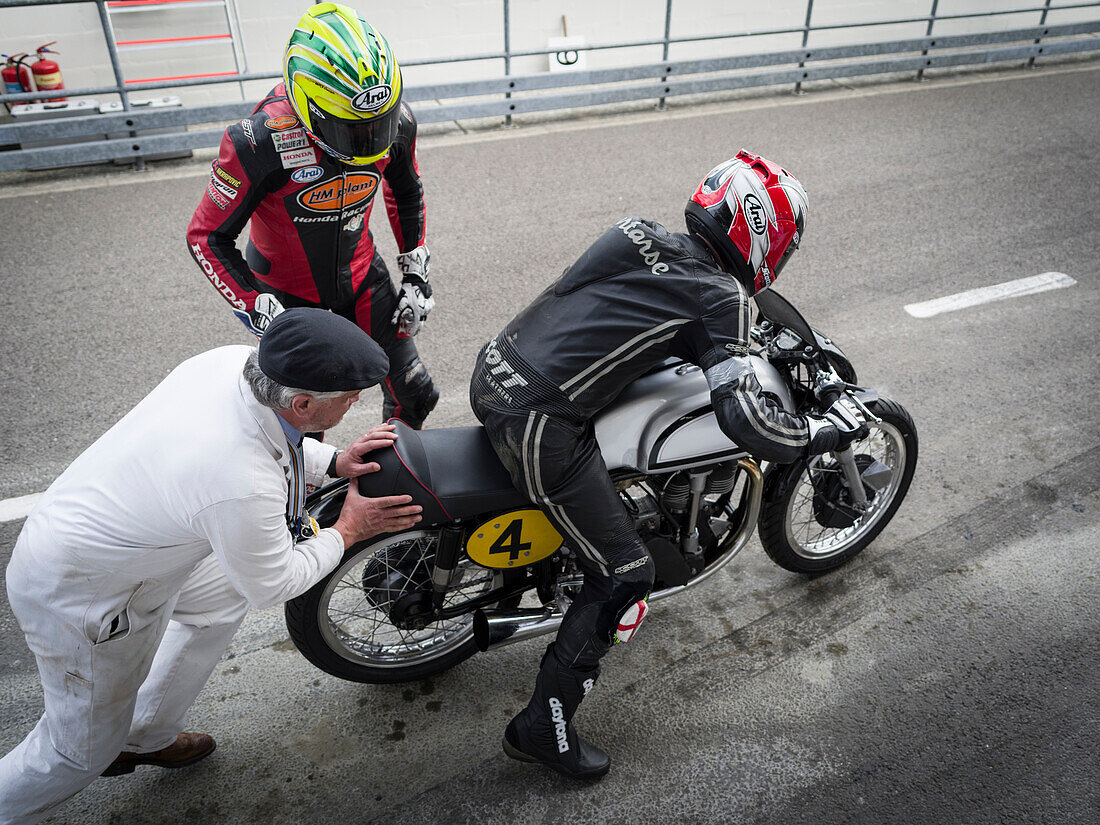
134,571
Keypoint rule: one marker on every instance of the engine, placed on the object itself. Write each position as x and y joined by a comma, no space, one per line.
675,515
643,508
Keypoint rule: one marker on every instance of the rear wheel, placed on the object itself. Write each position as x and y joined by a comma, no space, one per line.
808,523
370,619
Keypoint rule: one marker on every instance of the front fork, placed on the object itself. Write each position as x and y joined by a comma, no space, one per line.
846,458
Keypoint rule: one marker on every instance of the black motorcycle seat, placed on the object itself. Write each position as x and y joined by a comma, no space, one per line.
452,472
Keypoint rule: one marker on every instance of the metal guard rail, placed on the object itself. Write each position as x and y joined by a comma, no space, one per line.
665,79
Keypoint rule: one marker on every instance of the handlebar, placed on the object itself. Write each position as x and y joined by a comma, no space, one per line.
828,387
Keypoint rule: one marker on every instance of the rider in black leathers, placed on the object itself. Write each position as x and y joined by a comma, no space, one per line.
637,296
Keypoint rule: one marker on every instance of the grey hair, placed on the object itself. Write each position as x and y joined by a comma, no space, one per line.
271,393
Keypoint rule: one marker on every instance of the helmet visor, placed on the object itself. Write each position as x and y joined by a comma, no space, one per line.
796,239
782,262
356,141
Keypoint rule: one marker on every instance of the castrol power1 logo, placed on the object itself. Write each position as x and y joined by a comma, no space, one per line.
339,193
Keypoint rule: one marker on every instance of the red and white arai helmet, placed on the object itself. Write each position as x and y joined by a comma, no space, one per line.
753,212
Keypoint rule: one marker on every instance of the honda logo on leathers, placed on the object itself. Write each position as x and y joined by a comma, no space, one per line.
208,268
339,193
558,715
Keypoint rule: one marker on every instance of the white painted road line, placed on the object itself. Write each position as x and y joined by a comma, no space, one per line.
986,294
12,509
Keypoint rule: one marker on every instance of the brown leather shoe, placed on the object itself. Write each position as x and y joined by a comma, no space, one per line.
188,749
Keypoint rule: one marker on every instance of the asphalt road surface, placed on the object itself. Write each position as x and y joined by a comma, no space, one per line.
948,674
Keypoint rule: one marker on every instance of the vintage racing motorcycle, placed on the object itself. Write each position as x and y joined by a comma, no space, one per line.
485,568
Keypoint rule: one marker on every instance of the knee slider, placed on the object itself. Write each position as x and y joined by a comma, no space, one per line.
415,410
630,621
632,583
416,384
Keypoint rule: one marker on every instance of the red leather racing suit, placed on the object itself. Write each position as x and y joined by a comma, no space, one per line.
309,241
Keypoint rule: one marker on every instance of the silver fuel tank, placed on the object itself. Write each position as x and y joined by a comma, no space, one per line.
664,421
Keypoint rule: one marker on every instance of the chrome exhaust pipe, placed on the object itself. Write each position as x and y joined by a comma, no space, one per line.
496,628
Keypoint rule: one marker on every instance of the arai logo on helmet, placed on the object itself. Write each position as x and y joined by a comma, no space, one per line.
372,99
754,214
306,174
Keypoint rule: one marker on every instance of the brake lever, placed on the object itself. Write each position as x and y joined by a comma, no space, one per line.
836,387
870,416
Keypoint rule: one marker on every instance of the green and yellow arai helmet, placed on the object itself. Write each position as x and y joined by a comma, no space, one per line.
344,83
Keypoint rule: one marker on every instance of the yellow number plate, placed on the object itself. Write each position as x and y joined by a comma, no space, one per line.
513,539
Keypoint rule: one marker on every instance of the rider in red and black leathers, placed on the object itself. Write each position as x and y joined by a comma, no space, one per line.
309,243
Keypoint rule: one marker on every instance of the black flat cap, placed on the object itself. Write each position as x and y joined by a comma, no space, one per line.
317,350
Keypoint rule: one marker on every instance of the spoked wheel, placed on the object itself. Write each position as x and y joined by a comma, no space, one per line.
370,619
808,523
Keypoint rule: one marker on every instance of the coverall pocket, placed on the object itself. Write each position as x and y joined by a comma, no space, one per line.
114,628
71,724
73,713
117,628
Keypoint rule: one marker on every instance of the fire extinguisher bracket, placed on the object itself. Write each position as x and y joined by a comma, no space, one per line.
166,102
29,112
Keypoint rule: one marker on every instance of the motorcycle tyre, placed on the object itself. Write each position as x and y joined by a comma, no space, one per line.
305,632
781,482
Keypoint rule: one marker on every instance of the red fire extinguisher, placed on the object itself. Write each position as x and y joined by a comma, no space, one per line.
17,77
47,74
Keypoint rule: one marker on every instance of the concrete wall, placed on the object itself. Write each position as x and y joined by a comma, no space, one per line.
427,29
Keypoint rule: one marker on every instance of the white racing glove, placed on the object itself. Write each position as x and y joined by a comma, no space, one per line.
415,300
842,424
267,306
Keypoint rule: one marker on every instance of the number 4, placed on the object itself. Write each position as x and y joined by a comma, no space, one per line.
511,541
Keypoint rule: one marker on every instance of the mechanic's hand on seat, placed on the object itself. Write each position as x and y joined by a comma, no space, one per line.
353,461
362,517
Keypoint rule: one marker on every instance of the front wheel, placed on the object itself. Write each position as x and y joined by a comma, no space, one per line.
807,524
370,619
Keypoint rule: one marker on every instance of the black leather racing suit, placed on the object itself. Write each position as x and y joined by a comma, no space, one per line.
637,296
309,239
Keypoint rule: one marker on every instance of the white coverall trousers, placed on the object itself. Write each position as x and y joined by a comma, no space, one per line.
109,690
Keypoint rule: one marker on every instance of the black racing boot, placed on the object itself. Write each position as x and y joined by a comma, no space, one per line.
543,731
